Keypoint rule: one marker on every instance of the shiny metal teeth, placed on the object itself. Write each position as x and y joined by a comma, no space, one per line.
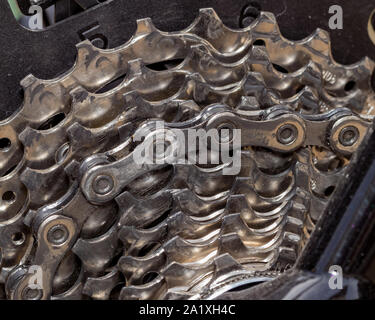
179,230
95,67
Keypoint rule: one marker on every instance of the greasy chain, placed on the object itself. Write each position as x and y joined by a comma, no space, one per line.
75,206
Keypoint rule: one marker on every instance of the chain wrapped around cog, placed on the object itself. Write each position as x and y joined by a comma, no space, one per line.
100,226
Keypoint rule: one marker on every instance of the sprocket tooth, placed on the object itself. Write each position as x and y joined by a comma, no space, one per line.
97,254
305,101
88,55
366,63
136,67
135,269
138,108
151,291
206,17
254,85
100,288
84,49
202,183
263,207
145,26
232,243
40,147
200,60
195,251
204,50
294,225
237,203
39,182
185,226
142,212
319,41
95,67
78,94
84,141
265,23
29,82
190,203
225,263
183,276
136,239
47,98
286,259
178,295
258,55
234,223
247,103
210,27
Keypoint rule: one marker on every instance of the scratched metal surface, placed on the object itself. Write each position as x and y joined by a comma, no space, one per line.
49,53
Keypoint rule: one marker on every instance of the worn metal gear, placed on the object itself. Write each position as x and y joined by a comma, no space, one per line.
97,224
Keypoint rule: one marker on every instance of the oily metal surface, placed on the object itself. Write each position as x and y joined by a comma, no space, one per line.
114,21
78,207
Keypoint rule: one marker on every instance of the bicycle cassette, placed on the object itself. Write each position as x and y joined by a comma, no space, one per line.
249,135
